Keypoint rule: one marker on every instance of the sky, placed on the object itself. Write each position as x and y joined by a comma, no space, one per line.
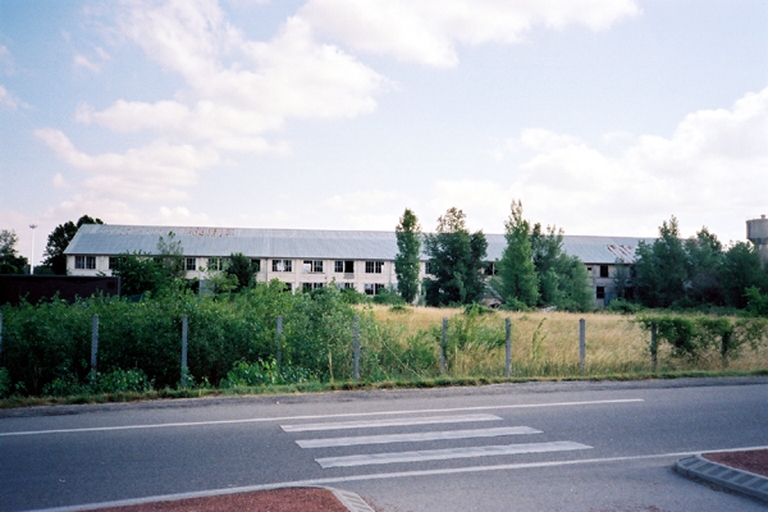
604,117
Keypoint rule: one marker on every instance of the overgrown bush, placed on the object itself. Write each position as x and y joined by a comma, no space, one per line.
264,373
116,381
692,336
624,307
5,383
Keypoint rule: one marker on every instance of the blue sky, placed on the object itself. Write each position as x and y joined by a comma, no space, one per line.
605,117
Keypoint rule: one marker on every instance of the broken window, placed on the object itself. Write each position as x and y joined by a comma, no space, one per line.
372,288
282,265
313,266
215,264
344,266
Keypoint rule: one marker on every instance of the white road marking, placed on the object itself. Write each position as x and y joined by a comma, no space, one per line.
415,437
397,422
315,417
448,453
379,476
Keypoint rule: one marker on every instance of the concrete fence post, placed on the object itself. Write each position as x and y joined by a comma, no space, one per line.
279,343
444,345
356,349
184,334
1,336
508,358
94,344
582,346
654,348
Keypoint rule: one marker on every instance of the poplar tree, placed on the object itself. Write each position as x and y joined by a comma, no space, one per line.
519,282
407,261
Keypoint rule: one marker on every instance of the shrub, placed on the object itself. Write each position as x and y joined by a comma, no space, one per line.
261,373
624,307
5,383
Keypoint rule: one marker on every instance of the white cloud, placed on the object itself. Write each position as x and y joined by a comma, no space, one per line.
232,103
364,200
485,203
81,61
428,32
5,59
237,93
8,100
693,171
159,171
181,215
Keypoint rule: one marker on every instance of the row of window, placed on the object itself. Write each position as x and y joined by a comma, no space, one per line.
368,288
215,264
317,266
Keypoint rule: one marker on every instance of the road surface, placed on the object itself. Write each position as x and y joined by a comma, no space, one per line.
583,446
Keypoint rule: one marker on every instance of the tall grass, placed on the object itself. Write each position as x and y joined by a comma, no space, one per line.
546,344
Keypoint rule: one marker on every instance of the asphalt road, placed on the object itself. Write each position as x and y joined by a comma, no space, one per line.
585,446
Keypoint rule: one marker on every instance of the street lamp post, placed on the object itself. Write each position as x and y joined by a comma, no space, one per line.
32,259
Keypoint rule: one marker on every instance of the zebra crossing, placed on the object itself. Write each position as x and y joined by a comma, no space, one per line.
365,436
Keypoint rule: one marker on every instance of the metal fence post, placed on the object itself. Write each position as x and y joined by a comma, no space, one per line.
184,369
582,346
443,345
508,359
356,349
1,336
94,344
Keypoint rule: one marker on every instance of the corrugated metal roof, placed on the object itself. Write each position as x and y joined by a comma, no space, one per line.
111,240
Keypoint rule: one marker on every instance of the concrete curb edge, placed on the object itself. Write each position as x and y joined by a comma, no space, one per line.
744,482
351,500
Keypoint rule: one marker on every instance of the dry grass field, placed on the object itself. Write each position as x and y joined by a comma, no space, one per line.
546,344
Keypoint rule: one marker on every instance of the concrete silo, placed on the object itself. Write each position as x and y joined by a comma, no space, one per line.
757,233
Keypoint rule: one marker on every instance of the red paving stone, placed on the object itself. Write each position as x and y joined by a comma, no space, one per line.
293,499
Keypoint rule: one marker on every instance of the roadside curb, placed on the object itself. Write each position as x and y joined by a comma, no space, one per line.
744,482
351,500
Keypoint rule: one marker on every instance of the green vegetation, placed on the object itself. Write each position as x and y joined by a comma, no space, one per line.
456,262
519,284
10,261
408,258
698,273
234,345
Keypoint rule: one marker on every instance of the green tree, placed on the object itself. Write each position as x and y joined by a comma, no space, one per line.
171,256
10,261
407,261
742,270
58,241
705,260
563,279
662,268
456,261
243,269
519,282
621,279
139,273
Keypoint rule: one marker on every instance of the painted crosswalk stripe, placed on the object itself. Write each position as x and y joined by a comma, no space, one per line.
415,437
449,453
396,422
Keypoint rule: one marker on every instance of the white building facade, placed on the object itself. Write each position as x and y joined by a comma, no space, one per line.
308,259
